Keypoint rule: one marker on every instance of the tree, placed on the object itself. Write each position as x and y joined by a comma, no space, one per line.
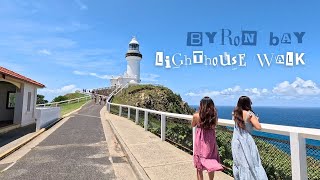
60,98
40,99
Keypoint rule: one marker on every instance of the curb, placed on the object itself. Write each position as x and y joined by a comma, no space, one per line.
137,168
9,128
12,150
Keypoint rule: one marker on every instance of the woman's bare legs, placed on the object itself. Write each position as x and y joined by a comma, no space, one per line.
199,175
211,175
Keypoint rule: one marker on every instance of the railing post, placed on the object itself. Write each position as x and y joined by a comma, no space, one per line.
146,120
298,156
120,110
193,138
128,112
137,116
163,127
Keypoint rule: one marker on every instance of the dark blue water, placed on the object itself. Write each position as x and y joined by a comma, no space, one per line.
288,116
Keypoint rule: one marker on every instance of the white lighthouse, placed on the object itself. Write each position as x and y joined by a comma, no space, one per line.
132,75
133,57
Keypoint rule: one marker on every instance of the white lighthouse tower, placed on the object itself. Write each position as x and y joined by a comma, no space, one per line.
132,75
133,57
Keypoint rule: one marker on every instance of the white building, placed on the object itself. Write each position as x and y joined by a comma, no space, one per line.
18,97
132,75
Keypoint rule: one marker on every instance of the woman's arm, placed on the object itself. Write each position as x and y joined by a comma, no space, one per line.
255,121
195,119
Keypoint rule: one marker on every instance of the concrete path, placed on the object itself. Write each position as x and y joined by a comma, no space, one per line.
15,134
78,149
157,160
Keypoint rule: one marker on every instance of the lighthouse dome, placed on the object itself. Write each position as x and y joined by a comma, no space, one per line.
134,41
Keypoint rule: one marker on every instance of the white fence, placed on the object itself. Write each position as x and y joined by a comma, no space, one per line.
64,102
46,116
297,134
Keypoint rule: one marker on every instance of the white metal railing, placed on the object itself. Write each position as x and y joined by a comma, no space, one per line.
297,134
64,102
116,91
103,88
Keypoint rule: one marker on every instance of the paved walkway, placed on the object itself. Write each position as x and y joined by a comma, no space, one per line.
76,150
159,160
8,137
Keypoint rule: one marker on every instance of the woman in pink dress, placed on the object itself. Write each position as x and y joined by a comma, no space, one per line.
205,154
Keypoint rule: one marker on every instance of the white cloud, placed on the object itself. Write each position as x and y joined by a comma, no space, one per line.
92,74
212,93
149,77
45,52
79,73
52,93
63,90
81,5
299,87
67,52
100,76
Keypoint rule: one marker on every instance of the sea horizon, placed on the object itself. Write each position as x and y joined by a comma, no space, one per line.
306,107
308,117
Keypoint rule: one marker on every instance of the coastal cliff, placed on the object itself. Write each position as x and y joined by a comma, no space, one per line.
153,97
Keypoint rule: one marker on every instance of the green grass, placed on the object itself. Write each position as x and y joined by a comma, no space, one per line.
74,95
66,108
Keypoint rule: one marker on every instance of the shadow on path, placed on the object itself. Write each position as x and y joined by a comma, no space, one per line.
14,134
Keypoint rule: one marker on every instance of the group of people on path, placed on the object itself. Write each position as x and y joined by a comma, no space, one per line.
100,99
246,159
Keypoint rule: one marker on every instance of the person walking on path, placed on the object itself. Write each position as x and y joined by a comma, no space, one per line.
95,99
105,100
246,159
100,99
205,155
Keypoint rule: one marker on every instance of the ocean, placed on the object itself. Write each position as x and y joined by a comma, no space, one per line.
289,116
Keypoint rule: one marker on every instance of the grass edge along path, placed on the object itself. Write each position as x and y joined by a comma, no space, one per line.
67,108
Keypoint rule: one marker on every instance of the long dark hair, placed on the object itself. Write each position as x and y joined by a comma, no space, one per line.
244,103
207,113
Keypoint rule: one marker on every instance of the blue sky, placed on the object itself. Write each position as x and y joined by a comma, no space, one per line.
75,44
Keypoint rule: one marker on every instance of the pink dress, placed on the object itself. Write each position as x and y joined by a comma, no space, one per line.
205,155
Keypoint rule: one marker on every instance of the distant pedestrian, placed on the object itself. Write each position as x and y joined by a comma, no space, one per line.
95,99
100,99
205,155
246,159
105,100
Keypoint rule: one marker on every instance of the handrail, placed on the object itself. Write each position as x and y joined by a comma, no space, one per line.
126,85
60,102
298,135
309,133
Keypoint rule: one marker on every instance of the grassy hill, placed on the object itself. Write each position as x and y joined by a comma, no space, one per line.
68,97
153,97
